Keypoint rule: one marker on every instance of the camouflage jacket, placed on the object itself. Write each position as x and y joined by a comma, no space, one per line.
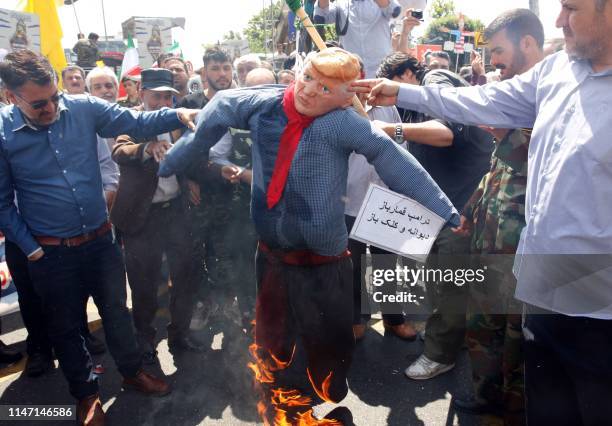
497,207
241,156
87,53
127,103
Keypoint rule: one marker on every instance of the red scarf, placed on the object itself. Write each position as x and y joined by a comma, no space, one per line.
288,145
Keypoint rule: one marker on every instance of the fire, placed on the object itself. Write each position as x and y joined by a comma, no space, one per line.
323,392
289,398
285,407
264,368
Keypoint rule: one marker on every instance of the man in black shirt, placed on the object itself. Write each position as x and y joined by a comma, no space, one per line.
210,193
456,156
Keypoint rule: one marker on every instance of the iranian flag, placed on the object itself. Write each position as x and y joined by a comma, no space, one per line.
130,65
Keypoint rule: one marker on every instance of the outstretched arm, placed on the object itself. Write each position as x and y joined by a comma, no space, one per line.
227,109
398,169
507,104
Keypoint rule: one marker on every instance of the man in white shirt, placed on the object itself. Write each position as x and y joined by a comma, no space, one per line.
563,258
363,27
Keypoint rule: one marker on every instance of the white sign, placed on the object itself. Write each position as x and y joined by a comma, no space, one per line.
154,37
19,30
449,46
236,48
396,223
468,47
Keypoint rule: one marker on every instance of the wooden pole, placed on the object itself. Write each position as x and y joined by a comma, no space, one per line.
316,37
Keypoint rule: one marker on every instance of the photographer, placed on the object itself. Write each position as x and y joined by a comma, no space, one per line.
363,27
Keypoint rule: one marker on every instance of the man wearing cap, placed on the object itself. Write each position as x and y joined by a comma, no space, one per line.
151,213
131,84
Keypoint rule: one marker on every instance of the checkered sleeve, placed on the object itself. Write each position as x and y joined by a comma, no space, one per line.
398,169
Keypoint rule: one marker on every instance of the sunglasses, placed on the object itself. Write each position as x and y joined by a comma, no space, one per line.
42,103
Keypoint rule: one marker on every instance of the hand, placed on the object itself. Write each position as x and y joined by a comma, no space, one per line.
231,173
187,117
194,192
247,176
381,92
388,128
409,22
110,199
476,60
158,149
395,38
498,134
465,227
36,255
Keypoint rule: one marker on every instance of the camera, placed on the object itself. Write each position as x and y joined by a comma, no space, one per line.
418,14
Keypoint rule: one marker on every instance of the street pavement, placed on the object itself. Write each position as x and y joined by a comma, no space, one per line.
215,387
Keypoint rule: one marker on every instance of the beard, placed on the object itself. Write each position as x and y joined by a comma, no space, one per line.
218,86
593,47
518,63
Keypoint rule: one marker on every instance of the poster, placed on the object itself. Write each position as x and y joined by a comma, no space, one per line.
154,37
19,30
422,49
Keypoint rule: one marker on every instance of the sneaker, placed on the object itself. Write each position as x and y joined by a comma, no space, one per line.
424,368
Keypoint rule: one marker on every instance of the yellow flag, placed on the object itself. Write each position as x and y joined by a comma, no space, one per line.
50,31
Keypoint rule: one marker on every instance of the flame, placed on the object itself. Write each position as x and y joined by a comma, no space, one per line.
289,398
285,407
264,368
323,392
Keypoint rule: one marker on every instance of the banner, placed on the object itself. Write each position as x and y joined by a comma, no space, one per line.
154,37
422,49
19,30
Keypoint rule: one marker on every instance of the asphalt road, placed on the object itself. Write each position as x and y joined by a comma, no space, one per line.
215,387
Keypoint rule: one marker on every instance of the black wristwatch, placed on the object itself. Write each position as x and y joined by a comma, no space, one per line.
399,133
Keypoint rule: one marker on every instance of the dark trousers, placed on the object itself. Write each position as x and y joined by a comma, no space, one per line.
445,328
30,304
59,278
568,370
381,259
313,304
166,231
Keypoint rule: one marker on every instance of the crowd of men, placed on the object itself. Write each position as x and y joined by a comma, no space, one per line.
246,182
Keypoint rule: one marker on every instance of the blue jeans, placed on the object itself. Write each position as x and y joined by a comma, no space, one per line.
60,278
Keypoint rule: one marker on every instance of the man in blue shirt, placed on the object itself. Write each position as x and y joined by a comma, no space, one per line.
48,157
304,272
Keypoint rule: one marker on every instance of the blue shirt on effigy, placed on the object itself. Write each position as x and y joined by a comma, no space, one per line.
55,170
310,214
